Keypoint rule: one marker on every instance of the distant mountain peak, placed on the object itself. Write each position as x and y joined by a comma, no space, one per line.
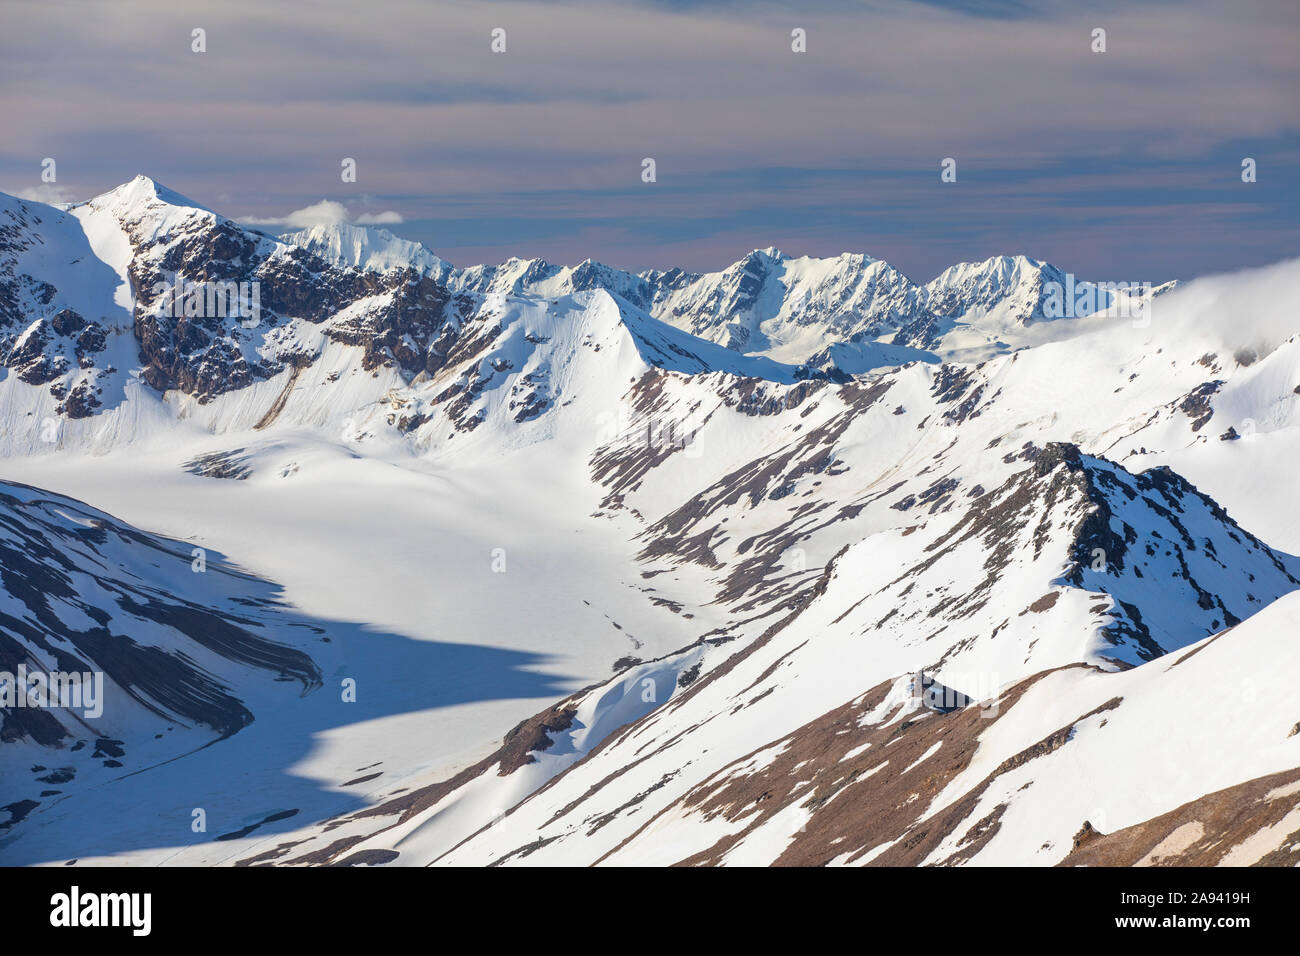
367,247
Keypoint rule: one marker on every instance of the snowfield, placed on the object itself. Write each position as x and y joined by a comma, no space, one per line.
800,562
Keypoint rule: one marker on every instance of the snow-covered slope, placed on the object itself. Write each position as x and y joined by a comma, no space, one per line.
998,601
181,642
1032,775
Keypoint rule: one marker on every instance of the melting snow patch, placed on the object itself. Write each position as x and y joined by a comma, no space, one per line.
925,756
855,751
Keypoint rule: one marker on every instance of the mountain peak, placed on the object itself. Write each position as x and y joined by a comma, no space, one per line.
144,190
770,254
1001,266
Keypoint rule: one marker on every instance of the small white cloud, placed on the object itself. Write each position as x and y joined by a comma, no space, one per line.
379,218
327,212
45,192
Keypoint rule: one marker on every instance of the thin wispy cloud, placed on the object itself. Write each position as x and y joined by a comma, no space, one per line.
325,213
754,143
47,193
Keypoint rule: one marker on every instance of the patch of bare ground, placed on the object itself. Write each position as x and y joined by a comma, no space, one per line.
1256,823
326,854
368,858
1044,603
878,797
269,856
282,399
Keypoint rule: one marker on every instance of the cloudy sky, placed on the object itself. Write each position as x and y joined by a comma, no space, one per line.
1123,165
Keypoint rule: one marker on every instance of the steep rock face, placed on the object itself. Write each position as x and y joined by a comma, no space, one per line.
21,293
406,327
55,307
224,346
1174,566
1168,553
212,307
730,306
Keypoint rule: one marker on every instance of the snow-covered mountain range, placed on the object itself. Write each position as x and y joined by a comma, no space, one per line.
385,561
851,312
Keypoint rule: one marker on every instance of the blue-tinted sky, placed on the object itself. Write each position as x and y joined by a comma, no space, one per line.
1123,165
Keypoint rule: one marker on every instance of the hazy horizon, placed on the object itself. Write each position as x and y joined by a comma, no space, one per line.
1120,165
